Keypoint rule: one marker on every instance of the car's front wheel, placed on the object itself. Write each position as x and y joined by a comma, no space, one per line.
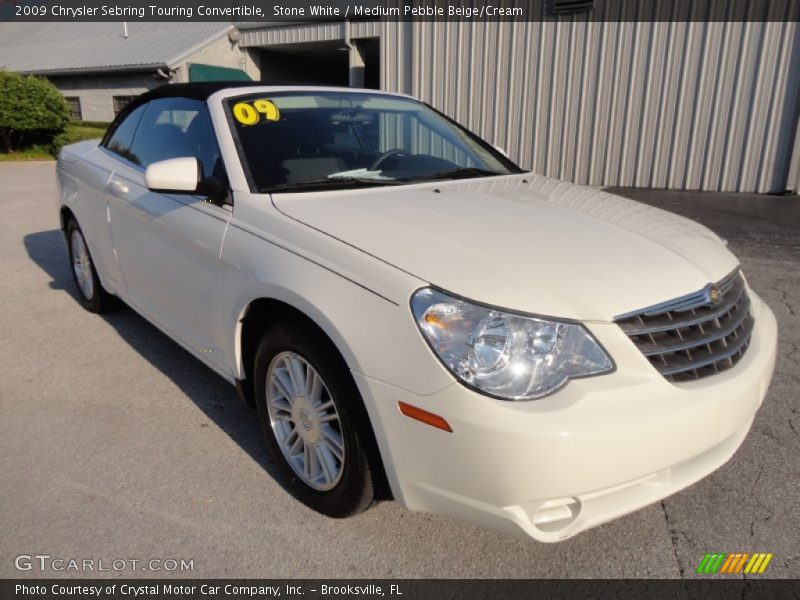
307,406
91,294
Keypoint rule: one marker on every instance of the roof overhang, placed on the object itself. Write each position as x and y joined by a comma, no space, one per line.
120,70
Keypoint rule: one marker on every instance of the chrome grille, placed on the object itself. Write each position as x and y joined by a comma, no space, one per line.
694,336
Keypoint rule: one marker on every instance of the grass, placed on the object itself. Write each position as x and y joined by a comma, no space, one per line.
33,153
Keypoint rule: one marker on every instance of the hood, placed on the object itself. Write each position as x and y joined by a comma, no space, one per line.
524,242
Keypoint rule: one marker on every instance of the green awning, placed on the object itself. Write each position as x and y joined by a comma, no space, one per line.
200,72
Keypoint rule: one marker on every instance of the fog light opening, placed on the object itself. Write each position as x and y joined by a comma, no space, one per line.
555,515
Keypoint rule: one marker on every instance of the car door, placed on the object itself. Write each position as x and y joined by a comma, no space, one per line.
168,246
91,178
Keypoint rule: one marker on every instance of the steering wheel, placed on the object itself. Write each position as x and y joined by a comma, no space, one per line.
375,166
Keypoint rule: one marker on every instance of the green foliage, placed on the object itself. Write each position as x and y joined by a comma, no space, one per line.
98,124
30,107
75,132
34,152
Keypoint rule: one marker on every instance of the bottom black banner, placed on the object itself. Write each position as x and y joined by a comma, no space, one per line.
401,589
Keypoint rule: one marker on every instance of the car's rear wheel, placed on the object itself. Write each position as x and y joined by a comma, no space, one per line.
91,294
307,406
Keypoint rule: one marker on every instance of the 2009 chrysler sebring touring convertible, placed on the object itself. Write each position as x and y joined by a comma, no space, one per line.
406,308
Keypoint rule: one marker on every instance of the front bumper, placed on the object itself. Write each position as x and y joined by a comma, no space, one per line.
598,449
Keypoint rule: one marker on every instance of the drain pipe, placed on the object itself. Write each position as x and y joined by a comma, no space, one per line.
347,43
168,74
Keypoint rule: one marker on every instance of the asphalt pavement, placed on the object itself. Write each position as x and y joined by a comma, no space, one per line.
117,444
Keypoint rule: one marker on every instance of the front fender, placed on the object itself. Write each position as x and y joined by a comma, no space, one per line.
373,330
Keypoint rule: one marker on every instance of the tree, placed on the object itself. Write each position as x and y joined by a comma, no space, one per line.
29,107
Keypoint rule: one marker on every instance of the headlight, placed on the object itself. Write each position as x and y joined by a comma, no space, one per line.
505,355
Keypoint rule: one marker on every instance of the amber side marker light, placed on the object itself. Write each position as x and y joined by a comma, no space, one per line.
424,416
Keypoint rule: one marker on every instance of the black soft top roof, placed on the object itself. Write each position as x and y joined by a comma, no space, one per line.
196,91
202,90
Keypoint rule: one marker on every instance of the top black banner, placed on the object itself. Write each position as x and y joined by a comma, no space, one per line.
294,11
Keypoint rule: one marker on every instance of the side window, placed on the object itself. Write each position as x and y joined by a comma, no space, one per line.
122,138
174,128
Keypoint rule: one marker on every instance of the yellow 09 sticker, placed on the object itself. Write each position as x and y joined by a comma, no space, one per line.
251,113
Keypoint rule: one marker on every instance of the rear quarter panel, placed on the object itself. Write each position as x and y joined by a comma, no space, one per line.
83,172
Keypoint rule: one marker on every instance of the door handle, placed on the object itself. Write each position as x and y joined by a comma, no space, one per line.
118,187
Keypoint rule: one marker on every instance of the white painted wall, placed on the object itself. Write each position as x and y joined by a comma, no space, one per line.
220,53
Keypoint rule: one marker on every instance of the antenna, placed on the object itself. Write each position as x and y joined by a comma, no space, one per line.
125,29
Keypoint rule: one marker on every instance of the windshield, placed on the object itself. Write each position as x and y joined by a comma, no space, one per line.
296,141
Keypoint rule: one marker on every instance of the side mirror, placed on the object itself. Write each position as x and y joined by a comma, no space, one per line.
174,175
184,176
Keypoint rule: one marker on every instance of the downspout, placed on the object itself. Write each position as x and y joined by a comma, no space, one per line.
168,74
347,34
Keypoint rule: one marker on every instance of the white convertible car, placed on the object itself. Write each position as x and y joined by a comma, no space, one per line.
410,312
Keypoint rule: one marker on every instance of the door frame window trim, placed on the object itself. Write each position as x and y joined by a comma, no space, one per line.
140,168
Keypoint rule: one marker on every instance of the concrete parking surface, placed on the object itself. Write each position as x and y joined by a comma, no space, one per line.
116,443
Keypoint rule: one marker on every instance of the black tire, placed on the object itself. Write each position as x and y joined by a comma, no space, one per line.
354,491
100,300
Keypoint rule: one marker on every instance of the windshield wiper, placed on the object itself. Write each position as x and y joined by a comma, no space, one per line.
460,173
328,183
354,182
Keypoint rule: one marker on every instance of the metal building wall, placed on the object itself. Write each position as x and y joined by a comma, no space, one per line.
275,34
794,167
682,105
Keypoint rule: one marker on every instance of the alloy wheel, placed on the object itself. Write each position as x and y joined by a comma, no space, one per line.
305,421
82,265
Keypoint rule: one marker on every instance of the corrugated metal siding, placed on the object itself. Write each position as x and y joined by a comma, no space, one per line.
682,105
277,33
794,169
365,29
292,34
